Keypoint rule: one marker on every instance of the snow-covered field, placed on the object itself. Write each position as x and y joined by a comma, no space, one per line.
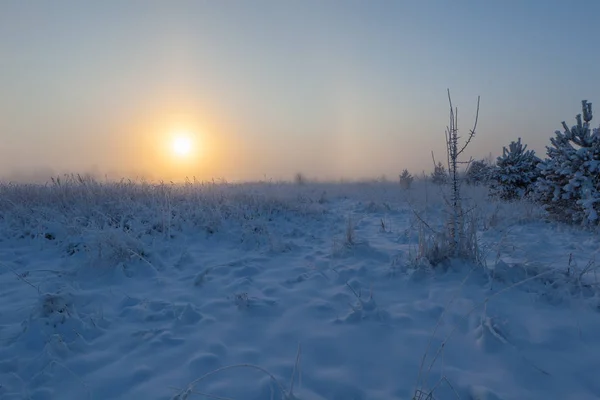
315,291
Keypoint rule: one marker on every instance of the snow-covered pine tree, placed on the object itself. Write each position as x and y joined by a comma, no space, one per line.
439,175
478,173
569,186
406,179
515,172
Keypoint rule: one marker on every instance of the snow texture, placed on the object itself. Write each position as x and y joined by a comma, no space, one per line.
271,291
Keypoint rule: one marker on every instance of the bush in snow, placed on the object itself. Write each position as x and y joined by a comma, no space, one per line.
439,175
515,172
406,179
478,173
569,186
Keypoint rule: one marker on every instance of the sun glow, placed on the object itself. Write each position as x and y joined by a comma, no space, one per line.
175,147
182,144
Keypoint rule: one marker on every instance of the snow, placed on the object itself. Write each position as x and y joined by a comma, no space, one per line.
127,291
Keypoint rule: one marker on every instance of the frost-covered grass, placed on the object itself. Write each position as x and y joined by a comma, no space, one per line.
298,291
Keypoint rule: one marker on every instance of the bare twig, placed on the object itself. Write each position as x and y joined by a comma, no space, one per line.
472,132
250,366
296,366
22,278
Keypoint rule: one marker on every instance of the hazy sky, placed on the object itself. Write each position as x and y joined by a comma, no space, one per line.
269,88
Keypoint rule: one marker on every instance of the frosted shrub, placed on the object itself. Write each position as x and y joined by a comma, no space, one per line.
515,172
569,186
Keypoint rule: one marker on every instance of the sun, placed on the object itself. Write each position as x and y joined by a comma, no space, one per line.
182,145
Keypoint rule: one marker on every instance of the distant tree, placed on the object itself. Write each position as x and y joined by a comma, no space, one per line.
406,179
515,172
299,178
439,175
569,186
478,173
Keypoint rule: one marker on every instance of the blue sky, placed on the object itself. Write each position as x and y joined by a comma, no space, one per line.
269,88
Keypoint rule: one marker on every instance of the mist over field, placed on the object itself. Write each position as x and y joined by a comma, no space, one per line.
333,90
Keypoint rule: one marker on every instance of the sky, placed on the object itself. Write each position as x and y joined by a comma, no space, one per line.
267,89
